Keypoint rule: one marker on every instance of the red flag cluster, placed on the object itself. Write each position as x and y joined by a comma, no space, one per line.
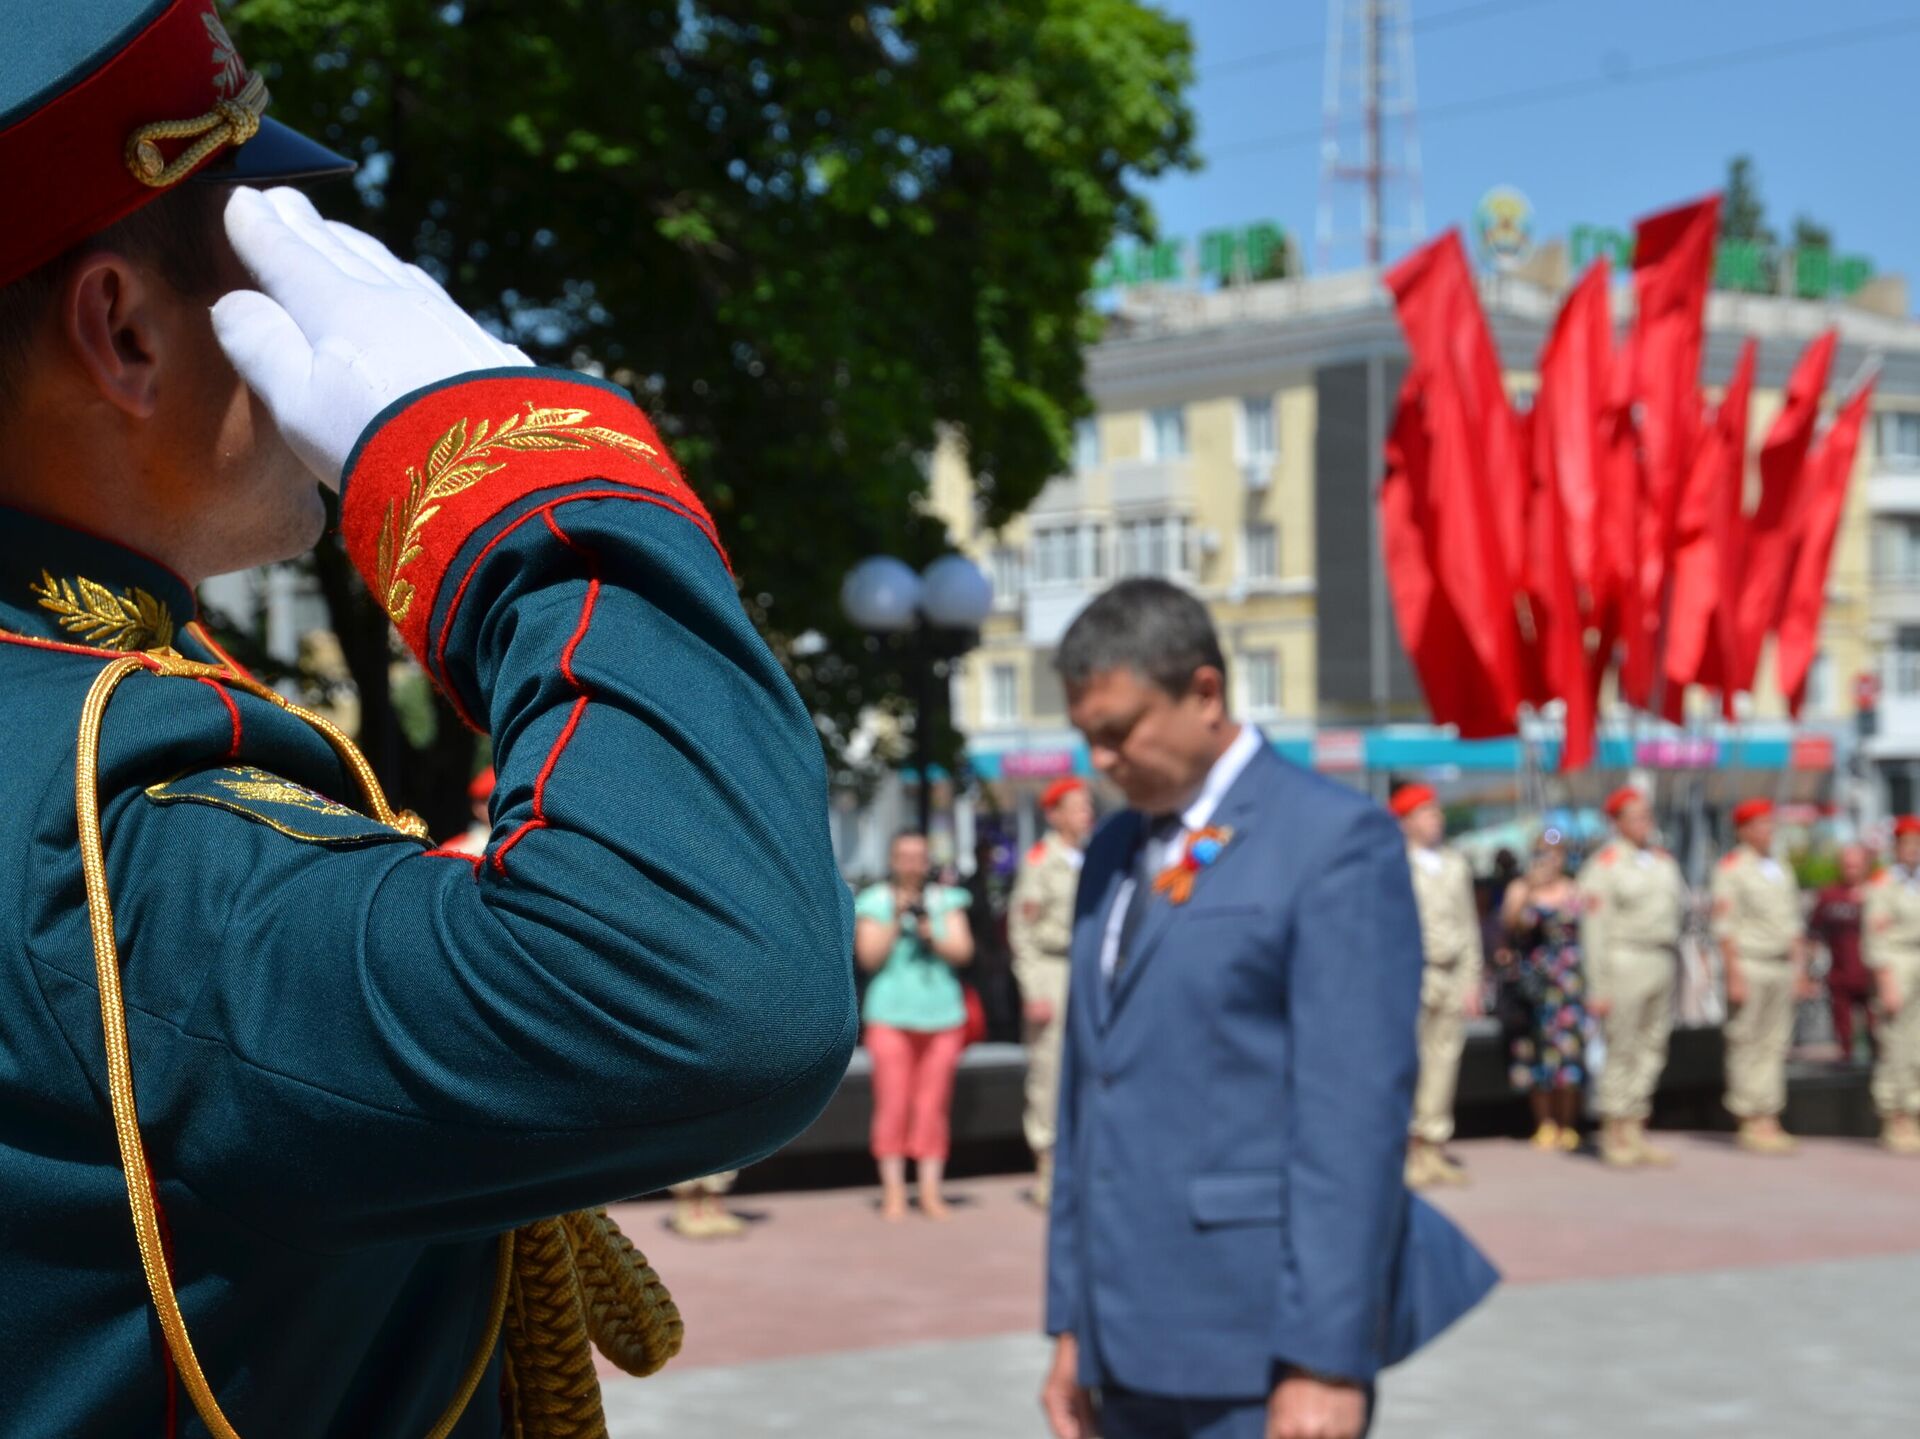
1527,552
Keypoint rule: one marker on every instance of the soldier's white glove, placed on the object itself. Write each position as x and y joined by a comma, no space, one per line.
339,328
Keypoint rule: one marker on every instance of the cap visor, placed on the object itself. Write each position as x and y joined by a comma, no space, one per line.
275,153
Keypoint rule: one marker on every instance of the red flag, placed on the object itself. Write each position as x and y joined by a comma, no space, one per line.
1830,468
1618,613
1450,672
1774,528
1477,486
1706,553
1672,264
1560,626
1573,576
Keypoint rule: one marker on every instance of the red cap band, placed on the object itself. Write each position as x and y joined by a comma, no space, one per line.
67,160
1619,800
1749,810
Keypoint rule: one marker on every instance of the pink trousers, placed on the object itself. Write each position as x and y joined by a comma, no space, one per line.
912,1089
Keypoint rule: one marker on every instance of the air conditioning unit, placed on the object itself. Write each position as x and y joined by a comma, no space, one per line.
1259,472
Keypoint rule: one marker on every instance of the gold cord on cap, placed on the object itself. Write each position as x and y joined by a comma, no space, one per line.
229,122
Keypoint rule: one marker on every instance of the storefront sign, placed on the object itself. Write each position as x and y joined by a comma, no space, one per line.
1811,751
1036,763
1340,749
1677,752
1812,272
1250,252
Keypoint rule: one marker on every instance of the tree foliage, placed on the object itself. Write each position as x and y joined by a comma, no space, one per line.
1743,213
811,237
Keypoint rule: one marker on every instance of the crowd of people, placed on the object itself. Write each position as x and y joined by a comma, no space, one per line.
1587,962
1575,954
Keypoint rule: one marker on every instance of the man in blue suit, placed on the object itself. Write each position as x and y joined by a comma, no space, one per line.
1232,1251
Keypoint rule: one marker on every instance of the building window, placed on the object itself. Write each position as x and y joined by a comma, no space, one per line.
1046,695
1003,694
1898,439
1896,551
1257,441
1096,554
1260,684
1820,685
1056,555
1260,553
1086,444
1161,547
1007,570
1167,433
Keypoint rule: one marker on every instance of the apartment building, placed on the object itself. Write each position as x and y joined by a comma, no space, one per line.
1236,449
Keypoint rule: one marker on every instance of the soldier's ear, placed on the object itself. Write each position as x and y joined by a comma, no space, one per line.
113,324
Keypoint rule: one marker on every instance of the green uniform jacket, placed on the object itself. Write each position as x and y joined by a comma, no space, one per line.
358,1060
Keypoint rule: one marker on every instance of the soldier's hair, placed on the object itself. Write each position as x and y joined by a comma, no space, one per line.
1150,626
178,234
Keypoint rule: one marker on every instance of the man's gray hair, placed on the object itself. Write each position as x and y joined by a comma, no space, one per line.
1152,627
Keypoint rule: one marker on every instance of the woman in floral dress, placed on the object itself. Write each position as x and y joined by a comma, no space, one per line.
1543,994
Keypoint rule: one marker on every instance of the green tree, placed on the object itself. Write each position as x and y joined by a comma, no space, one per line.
1743,214
811,237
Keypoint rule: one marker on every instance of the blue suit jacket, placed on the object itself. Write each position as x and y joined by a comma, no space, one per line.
1228,1190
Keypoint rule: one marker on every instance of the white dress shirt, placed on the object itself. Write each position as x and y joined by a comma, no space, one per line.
1197,815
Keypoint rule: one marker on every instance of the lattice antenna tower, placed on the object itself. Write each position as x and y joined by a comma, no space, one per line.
1370,200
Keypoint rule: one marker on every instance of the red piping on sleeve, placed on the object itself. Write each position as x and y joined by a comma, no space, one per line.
437,661
233,712
539,820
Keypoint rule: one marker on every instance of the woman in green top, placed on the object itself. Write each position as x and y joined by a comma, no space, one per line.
911,936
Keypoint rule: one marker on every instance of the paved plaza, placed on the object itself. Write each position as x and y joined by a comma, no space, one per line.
1731,1296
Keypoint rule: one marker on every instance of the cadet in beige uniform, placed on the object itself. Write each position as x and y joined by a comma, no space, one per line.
1756,922
1633,902
1891,947
1039,929
1450,985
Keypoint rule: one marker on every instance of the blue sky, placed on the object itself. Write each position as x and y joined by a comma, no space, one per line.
1830,126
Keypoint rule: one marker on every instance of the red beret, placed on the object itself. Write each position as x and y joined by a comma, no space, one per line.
1748,810
482,786
1059,790
1410,797
1619,800
1905,825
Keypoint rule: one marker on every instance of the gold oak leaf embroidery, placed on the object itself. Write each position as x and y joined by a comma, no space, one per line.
259,786
460,459
131,620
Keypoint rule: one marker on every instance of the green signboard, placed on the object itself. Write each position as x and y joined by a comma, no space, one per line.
1248,252
1812,272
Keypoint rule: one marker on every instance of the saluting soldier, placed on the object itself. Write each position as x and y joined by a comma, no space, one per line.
1757,924
1891,945
1040,930
1450,984
1632,905
354,1098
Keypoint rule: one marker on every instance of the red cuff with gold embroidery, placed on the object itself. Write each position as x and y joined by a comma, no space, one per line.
441,463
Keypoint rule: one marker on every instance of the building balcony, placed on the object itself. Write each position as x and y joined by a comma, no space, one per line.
1894,491
1151,484
1895,598
1063,496
1050,608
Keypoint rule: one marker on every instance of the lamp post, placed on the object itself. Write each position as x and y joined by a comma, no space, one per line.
937,612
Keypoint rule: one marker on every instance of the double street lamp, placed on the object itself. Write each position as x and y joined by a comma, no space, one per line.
938,612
